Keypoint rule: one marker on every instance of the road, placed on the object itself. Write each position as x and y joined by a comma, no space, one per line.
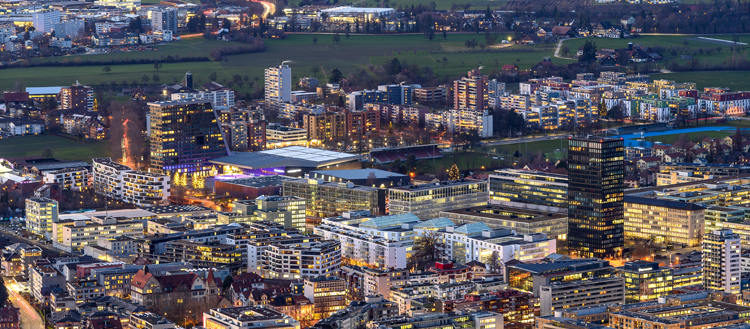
268,8
30,318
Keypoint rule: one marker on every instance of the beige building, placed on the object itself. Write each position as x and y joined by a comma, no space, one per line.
671,221
76,234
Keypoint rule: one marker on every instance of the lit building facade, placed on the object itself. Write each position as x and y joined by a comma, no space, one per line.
721,261
40,214
426,201
529,188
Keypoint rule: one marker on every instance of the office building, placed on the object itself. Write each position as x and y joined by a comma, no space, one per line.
185,135
595,196
721,261
531,277
44,20
280,136
279,84
318,259
466,320
327,293
164,19
74,235
287,211
646,281
248,317
687,315
40,214
471,92
530,189
427,200
77,96
669,221
558,296
327,199
522,220
211,254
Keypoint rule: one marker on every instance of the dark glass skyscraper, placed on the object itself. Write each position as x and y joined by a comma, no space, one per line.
185,135
595,196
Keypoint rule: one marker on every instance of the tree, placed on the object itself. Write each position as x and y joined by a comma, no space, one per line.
454,174
494,262
336,76
428,248
315,69
315,40
212,76
156,78
3,293
157,66
589,52
336,38
565,50
371,179
226,24
144,79
737,141
107,69
411,162
48,153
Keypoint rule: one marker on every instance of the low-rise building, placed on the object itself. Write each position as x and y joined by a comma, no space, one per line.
70,235
248,317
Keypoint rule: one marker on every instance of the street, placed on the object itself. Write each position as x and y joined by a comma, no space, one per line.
30,318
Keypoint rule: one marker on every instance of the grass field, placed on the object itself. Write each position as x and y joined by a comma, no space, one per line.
736,80
553,149
354,51
63,148
693,137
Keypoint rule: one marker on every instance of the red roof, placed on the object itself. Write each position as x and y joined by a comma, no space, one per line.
139,279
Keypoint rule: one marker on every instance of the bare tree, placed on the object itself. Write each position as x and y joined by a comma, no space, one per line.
428,248
494,262
371,179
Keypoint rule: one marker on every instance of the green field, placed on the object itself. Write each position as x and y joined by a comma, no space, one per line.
736,80
693,137
62,148
356,51
554,149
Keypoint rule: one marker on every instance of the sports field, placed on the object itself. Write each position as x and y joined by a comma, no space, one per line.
62,148
356,51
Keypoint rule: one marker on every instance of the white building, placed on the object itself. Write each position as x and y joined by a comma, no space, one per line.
164,19
377,242
598,291
41,213
220,99
25,127
281,136
721,261
44,21
164,36
74,235
120,4
68,178
302,262
71,28
477,242
428,200
248,317
279,84
461,121
119,182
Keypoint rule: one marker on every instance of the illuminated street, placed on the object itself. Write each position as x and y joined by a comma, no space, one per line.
30,318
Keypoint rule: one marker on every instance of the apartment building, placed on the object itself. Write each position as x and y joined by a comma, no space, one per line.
529,188
248,317
41,213
85,290
120,182
327,293
43,279
221,98
77,96
281,136
327,126
461,121
317,259
278,84
721,261
670,221
471,92
426,201
212,254
68,178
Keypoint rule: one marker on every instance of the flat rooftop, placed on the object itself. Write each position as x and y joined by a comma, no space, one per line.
160,210
506,213
292,156
357,174
260,181
430,186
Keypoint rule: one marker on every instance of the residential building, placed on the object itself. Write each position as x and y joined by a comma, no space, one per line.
43,279
528,188
77,96
85,290
326,126
327,293
468,320
148,320
40,214
471,92
668,221
72,28
248,317
185,135
561,295
431,95
426,201
278,84
461,121
595,196
220,98
18,258
721,261
119,182
122,4
44,20
164,19
517,307
114,39
69,178
522,220
327,199
294,262
147,289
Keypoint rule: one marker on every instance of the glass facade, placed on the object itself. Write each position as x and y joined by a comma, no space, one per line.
595,196
529,187
645,281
